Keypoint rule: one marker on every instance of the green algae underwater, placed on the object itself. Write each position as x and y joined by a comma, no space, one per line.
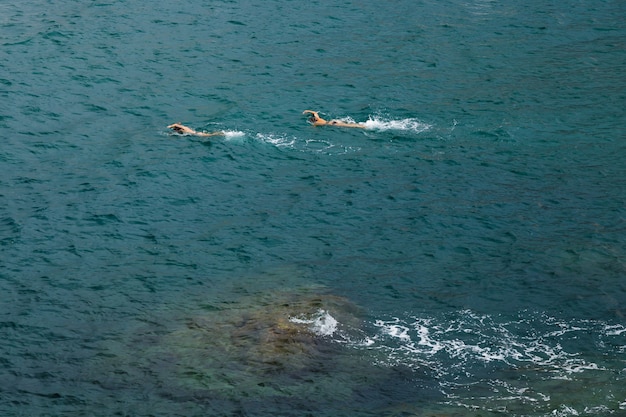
300,350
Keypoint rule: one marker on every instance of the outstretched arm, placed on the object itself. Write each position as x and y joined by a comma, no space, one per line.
315,118
184,130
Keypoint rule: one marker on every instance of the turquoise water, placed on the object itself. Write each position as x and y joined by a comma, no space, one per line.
464,255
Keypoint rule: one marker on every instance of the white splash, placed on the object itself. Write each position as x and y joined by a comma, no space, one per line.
614,330
564,411
233,134
321,323
410,124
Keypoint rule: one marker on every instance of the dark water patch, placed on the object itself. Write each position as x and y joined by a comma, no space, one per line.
9,231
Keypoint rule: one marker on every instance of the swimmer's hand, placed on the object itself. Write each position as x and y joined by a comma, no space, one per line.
315,118
314,113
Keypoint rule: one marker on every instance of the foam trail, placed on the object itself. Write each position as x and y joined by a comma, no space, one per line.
276,140
232,134
410,124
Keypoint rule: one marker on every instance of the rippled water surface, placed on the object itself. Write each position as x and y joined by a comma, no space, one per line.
463,255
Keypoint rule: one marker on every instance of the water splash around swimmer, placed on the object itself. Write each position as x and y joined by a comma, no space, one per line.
233,134
409,124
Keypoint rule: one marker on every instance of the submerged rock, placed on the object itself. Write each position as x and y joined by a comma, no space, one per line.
289,333
291,352
278,346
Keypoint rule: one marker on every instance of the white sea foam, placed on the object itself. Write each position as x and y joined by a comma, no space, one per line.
478,359
475,358
615,330
460,343
564,411
276,140
233,134
410,124
305,145
320,323
395,330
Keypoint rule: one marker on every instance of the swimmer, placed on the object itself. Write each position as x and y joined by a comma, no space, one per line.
184,130
316,120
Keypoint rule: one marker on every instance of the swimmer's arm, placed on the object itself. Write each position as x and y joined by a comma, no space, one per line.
182,129
315,118
314,113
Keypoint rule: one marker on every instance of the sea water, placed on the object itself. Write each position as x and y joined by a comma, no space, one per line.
462,255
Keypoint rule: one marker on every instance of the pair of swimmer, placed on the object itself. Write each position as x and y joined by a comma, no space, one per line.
315,120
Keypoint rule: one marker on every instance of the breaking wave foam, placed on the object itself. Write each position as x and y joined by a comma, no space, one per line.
484,362
470,339
321,323
530,363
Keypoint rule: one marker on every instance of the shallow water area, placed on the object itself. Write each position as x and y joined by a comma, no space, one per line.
227,356
462,255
